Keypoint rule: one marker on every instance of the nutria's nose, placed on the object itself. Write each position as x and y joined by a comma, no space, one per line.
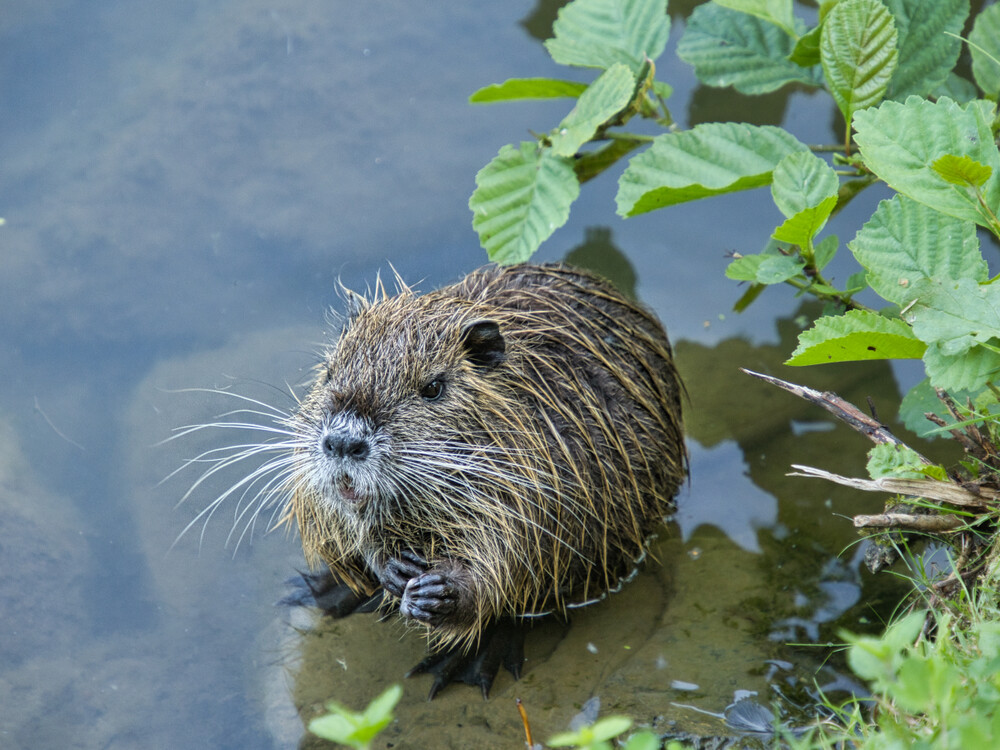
338,445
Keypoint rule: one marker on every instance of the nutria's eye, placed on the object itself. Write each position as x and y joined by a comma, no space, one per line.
433,390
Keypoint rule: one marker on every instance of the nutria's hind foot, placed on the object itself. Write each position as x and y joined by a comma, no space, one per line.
326,592
502,642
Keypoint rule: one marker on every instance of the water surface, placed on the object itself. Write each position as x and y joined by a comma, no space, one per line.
183,183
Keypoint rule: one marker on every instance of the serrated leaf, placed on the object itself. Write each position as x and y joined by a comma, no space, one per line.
772,266
603,99
728,48
906,242
858,52
968,371
527,88
894,460
777,12
961,170
900,142
919,400
600,33
522,196
806,224
855,336
804,188
802,180
928,44
956,314
984,46
709,159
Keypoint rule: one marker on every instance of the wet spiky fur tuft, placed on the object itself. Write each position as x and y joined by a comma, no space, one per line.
541,470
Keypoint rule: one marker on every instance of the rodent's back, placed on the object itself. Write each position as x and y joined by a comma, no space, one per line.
522,428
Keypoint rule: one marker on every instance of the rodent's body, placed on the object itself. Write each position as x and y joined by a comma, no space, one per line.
502,446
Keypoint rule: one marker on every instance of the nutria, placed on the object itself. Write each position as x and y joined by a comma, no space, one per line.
505,446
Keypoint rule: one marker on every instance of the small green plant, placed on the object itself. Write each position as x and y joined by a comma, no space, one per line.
598,736
356,729
937,690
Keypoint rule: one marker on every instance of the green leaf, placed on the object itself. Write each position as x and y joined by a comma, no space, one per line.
906,242
824,251
901,142
957,88
357,729
728,48
380,709
855,336
928,44
709,159
892,460
858,52
600,33
774,269
806,224
961,170
522,196
919,400
804,188
528,88
644,740
771,266
984,45
956,315
968,371
603,99
777,12
805,53
960,322
802,180
588,736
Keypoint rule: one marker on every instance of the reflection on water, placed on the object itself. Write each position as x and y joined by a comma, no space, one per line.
183,182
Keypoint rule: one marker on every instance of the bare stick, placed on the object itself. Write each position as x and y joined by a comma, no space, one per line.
843,410
910,522
932,489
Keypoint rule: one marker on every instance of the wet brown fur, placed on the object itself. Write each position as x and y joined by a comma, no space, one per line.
539,479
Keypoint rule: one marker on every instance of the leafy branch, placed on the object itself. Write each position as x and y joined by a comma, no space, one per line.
910,122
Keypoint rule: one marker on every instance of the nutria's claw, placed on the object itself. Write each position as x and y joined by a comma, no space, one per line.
502,642
430,598
397,572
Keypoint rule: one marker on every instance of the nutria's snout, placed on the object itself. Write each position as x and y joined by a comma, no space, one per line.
505,446
342,446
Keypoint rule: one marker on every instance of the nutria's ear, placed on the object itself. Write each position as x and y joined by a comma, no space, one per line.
484,344
354,303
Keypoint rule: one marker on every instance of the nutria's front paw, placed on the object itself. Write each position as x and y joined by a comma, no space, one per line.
397,572
430,598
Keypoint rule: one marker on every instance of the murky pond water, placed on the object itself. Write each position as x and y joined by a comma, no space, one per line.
183,183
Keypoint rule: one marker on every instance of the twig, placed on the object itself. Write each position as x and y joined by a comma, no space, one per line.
910,521
932,489
843,410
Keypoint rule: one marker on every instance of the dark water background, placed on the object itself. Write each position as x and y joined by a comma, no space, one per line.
183,183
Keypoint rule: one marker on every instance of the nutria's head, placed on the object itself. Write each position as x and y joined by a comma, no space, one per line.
404,379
